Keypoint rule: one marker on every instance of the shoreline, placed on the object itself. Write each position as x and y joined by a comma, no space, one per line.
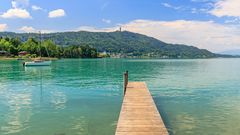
15,58
52,58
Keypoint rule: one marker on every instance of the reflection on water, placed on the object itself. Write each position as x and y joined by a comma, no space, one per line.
80,125
38,69
58,99
18,114
83,97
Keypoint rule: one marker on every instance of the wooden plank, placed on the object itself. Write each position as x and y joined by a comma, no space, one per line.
139,114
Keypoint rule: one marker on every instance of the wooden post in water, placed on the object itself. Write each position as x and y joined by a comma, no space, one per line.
125,82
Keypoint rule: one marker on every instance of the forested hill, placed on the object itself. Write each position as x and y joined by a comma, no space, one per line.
120,42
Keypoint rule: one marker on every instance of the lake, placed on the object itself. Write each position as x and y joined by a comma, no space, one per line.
83,96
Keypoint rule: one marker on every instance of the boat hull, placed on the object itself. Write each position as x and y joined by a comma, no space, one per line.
42,63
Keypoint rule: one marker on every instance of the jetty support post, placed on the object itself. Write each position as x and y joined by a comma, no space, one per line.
125,82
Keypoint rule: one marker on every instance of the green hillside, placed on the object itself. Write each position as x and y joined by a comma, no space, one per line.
128,43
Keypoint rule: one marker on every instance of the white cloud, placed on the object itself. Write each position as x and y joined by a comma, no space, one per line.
106,21
186,8
233,21
203,34
226,8
56,13
28,29
14,4
47,31
171,6
3,27
36,8
17,10
93,29
203,0
16,13
200,10
20,3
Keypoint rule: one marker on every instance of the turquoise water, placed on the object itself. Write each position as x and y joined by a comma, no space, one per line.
83,97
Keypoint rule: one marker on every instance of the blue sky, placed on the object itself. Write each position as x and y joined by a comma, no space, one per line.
94,12
215,23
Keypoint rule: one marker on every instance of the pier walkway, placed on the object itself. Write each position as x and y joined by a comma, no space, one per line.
139,115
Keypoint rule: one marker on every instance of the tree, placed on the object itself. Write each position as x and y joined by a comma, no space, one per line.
49,48
31,46
15,42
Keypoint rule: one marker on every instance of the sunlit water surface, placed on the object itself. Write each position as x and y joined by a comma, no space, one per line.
83,96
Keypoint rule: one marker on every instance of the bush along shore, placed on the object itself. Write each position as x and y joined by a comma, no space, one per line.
11,48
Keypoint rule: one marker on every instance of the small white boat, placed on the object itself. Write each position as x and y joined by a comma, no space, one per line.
37,63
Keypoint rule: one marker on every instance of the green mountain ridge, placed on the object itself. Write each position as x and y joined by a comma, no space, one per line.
125,42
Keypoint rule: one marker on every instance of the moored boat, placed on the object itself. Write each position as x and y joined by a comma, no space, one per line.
37,63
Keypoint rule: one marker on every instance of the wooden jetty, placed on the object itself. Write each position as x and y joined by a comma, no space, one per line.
139,114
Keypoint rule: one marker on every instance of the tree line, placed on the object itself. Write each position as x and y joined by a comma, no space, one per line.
47,48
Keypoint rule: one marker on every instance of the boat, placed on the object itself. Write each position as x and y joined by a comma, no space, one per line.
38,62
20,59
